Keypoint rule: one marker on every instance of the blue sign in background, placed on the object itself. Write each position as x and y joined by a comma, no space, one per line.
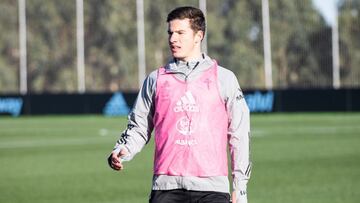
11,105
260,102
119,103
116,106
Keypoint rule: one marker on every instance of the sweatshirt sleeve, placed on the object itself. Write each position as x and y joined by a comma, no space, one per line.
140,124
238,134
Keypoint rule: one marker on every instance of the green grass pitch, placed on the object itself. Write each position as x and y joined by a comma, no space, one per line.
297,158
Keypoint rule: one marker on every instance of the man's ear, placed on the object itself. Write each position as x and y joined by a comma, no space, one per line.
199,36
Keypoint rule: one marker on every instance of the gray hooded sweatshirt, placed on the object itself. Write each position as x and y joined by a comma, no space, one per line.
140,127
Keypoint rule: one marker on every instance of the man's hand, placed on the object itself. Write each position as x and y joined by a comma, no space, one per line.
115,161
239,197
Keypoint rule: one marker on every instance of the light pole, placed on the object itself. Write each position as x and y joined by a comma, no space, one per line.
335,51
202,6
22,42
80,45
140,40
267,44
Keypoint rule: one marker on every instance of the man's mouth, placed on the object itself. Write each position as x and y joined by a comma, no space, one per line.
175,48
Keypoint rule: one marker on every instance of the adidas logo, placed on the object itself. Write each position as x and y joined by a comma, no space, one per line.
186,103
116,106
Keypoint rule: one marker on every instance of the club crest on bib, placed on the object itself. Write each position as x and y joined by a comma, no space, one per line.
185,126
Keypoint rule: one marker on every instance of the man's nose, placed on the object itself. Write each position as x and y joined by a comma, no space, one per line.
173,37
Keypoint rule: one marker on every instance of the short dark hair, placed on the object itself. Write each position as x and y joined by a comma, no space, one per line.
195,15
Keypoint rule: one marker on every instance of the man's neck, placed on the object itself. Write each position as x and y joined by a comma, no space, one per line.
191,59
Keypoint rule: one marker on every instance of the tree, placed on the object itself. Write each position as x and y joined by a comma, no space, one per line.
234,39
110,45
240,44
9,51
292,25
51,46
349,29
300,40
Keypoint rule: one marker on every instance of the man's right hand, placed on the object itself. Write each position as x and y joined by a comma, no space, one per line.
114,159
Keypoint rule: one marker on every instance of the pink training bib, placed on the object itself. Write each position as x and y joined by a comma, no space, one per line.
190,126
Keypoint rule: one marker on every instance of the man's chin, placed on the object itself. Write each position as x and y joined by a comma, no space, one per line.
178,56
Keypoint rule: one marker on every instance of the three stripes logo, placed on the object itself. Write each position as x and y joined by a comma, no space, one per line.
186,103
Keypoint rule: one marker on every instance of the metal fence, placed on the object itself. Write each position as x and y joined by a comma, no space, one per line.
108,45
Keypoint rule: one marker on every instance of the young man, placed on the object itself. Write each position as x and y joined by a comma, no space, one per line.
197,109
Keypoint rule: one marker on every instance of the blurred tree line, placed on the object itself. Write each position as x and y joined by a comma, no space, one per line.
300,42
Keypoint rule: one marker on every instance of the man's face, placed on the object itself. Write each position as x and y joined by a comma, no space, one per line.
184,43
